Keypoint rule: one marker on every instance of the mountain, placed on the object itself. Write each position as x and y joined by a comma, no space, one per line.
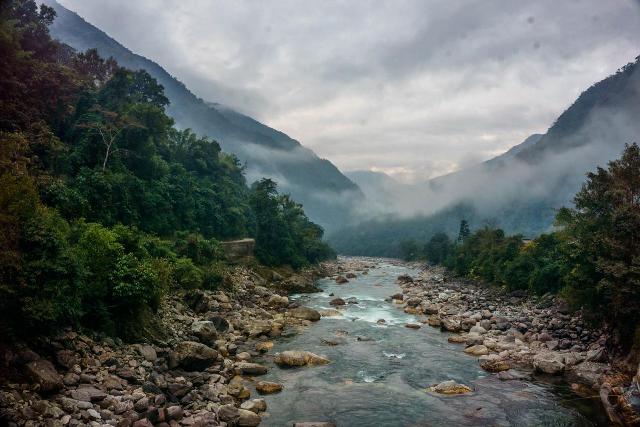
325,192
521,189
378,187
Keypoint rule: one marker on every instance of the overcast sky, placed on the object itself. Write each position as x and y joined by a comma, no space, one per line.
412,88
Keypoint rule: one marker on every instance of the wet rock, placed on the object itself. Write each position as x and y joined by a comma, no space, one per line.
431,308
304,313
330,313
248,418
450,387
477,350
333,341
293,358
255,405
457,339
510,375
341,280
549,363
264,346
434,321
88,394
588,373
45,375
494,363
350,275
412,326
247,368
337,301
266,387
405,278
192,356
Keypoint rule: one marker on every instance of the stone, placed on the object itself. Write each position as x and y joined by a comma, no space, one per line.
337,301
205,330
450,387
493,363
451,325
457,339
66,358
350,275
192,356
228,413
588,373
305,313
174,412
341,280
147,351
266,387
549,363
264,346
510,375
434,321
278,301
88,394
247,368
412,326
248,418
431,308
45,375
255,405
220,323
291,358
331,312
477,350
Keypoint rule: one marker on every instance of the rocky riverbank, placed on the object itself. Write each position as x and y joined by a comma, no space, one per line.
193,370
514,336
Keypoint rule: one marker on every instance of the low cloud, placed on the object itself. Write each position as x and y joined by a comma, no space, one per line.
416,88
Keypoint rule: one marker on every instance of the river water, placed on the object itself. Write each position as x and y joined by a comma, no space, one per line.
378,374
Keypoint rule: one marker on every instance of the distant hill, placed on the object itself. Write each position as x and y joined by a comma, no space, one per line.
520,190
325,192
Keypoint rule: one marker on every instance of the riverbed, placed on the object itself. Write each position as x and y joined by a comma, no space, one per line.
379,373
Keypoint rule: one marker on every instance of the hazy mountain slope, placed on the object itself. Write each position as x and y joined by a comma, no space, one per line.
317,183
521,189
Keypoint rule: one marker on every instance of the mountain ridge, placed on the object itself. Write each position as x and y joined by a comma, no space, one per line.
265,151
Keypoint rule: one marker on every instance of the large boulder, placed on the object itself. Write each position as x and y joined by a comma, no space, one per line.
493,363
192,356
450,324
450,387
549,362
278,301
266,387
304,313
205,330
291,358
45,375
247,368
477,350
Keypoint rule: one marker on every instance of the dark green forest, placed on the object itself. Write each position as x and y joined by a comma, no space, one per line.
104,205
593,259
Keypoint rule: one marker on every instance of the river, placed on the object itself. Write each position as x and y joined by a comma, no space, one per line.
379,373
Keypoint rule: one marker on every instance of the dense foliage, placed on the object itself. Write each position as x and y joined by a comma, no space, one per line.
103,204
593,259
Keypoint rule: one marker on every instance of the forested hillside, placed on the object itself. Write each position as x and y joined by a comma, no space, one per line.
521,190
104,205
317,183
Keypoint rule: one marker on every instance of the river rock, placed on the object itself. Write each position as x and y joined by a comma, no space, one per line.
248,418
337,301
278,301
331,312
266,387
549,362
264,346
493,363
305,313
341,280
477,350
292,358
350,275
247,368
450,387
192,356
412,326
451,325
434,321
45,375
254,405
588,373
205,330
457,339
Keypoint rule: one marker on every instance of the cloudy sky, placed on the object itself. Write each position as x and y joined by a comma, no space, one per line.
414,88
